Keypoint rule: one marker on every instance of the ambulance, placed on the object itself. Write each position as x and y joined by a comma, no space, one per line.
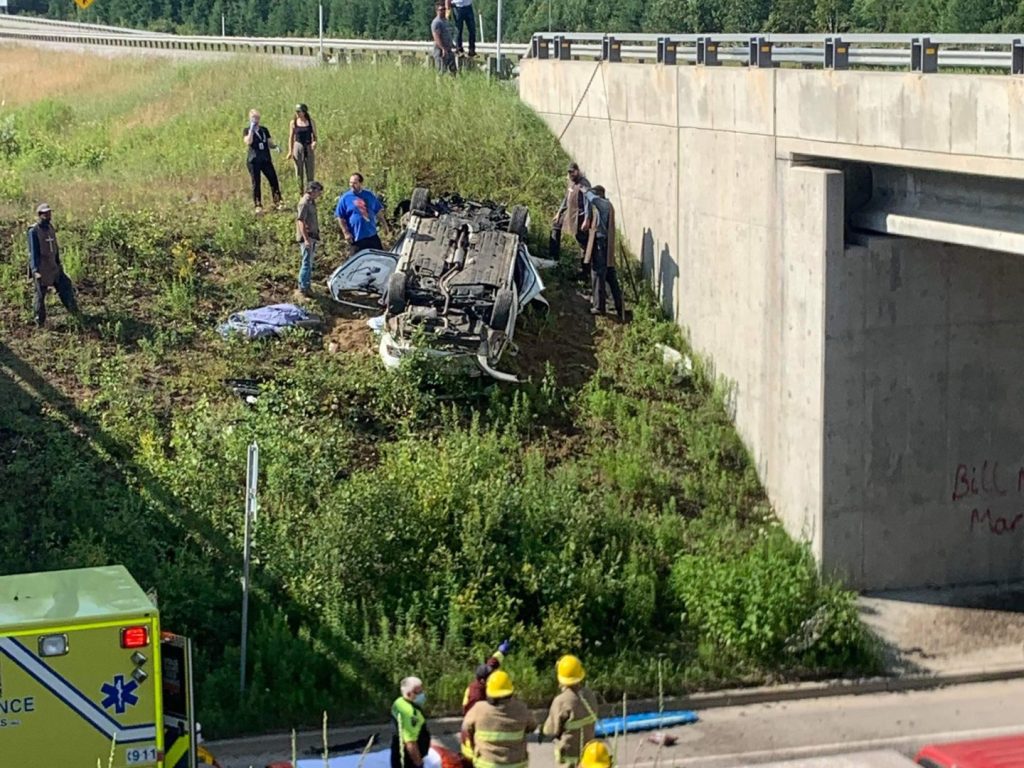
86,677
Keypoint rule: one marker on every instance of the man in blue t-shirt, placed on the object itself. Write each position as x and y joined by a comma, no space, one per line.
357,212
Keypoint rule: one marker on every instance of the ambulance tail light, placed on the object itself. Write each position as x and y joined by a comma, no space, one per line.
53,645
135,637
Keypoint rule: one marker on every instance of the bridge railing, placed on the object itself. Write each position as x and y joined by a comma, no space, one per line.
83,34
920,53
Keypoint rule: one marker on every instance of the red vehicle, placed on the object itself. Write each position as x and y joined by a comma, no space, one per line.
1001,752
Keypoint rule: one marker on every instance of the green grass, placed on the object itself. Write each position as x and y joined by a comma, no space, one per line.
409,521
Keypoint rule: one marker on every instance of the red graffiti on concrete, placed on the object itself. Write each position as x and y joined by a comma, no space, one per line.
995,524
983,481
968,481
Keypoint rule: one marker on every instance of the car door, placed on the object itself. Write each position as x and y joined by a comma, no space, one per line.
529,282
363,279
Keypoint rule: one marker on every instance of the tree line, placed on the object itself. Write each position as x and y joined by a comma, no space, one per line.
410,19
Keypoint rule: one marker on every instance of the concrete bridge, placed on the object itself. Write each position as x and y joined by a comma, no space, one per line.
847,248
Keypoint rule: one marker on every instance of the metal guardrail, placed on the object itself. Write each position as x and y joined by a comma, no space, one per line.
40,21
919,53
289,46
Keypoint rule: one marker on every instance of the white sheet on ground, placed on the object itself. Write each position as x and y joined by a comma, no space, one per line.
380,759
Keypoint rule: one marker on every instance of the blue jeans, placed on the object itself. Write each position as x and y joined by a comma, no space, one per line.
306,267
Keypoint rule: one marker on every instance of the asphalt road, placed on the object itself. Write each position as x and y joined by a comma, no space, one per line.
738,736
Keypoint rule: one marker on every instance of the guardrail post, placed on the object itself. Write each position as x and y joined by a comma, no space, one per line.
667,49
837,53
541,48
707,52
611,49
924,55
563,48
1017,57
760,52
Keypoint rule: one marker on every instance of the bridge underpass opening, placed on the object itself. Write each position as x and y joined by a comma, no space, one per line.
923,373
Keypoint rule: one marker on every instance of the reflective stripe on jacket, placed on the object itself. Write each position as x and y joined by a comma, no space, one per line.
497,732
571,722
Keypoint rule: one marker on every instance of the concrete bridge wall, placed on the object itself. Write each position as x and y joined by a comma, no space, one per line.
872,374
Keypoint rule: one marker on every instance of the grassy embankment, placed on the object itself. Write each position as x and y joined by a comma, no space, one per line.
409,521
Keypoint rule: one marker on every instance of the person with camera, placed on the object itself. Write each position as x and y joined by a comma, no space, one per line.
257,139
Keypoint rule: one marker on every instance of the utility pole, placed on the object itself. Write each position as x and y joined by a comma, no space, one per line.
223,25
252,472
549,15
498,40
321,32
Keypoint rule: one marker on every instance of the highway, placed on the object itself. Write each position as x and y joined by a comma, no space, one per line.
736,736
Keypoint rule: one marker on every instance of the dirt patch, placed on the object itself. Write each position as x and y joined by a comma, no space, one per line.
565,338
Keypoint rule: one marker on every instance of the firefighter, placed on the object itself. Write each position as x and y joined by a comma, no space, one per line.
411,741
596,755
476,691
498,726
573,714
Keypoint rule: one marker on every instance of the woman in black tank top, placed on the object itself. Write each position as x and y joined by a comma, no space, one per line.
302,146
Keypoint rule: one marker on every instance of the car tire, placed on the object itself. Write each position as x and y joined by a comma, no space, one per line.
396,301
517,222
502,311
420,203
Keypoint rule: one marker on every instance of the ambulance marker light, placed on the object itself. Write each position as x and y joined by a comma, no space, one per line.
53,645
134,637
139,676
138,659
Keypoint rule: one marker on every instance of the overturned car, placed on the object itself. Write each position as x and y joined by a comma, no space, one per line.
458,277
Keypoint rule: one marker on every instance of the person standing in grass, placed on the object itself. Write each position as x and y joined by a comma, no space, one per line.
444,49
257,139
357,212
301,144
599,224
45,268
307,232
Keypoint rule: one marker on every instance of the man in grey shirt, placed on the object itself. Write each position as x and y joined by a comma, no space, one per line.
444,49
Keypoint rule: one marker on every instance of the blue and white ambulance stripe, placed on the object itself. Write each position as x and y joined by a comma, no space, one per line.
78,702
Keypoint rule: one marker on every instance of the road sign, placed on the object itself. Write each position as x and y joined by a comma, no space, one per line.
83,4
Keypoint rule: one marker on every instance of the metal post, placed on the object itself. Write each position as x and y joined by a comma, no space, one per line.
497,40
252,471
321,31
480,28
223,26
549,15
1017,57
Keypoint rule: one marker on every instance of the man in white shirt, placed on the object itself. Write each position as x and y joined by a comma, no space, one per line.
464,15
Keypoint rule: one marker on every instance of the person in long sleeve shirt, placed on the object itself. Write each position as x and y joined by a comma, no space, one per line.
569,217
45,268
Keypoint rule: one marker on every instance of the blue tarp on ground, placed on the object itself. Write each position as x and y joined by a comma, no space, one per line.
645,721
267,321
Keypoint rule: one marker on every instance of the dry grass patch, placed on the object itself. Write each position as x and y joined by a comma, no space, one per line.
30,72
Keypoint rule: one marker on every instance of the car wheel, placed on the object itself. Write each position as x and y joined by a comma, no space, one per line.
420,203
517,224
396,293
502,311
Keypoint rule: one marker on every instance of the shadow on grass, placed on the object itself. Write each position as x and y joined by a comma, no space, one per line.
74,497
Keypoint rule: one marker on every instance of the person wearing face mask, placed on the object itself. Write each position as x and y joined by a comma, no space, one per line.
411,741
45,268
357,212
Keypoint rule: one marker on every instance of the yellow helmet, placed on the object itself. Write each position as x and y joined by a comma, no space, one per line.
570,670
499,685
596,755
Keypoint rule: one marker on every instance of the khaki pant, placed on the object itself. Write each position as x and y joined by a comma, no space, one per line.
302,156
